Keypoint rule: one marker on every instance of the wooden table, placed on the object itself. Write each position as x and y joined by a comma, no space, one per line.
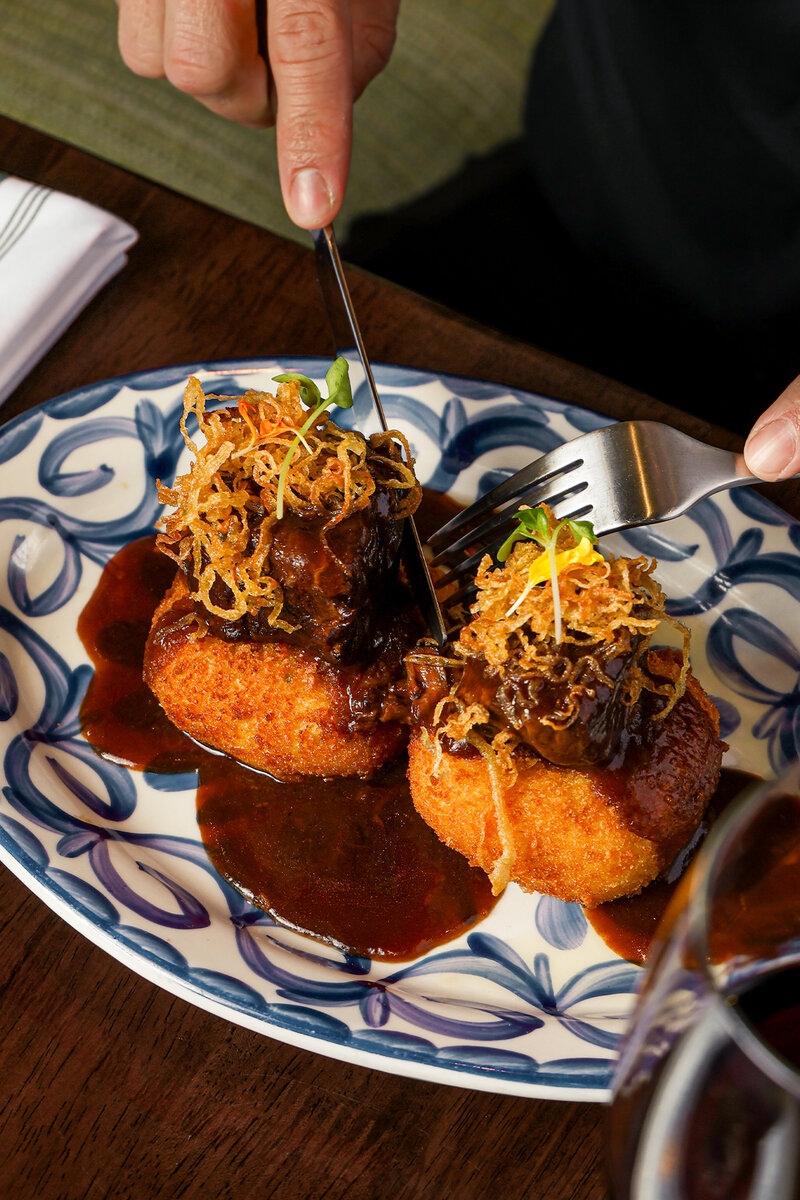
110,1086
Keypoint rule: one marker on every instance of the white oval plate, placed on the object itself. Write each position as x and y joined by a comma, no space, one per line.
531,1001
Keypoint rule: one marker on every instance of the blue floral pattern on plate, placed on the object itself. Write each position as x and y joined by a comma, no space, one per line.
531,1002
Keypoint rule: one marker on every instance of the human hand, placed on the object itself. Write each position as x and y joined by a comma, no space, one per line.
322,54
772,449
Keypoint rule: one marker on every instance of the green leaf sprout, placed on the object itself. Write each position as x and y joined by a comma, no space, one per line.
533,525
340,393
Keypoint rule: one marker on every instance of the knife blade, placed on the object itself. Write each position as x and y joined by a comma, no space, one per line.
346,334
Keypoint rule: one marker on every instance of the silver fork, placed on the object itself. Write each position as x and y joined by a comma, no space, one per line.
628,473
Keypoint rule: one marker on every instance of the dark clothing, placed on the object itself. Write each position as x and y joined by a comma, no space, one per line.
649,225
666,135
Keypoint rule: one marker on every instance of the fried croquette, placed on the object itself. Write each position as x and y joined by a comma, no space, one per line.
272,706
289,619
554,747
586,834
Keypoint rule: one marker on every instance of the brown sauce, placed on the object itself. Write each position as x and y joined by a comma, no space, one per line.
648,787
340,586
436,510
121,717
628,925
525,702
345,861
348,862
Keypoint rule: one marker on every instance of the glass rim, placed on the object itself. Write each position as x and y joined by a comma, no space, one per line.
705,873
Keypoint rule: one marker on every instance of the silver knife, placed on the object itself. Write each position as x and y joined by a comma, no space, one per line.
339,307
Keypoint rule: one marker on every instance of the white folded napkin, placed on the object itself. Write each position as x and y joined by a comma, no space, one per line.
56,253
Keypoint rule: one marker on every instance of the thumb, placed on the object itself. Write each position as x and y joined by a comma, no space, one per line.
772,449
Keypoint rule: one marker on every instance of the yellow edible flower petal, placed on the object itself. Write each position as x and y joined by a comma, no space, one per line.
584,554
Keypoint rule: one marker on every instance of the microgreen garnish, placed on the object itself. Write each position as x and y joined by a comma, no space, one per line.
533,524
339,393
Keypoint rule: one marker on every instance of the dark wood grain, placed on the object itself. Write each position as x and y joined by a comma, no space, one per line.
112,1087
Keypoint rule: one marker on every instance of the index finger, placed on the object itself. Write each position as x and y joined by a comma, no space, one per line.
311,59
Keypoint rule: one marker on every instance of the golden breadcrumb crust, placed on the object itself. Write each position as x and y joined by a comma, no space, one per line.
569,838
270,705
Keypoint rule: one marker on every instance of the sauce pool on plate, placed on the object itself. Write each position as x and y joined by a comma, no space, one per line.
628,925
347,861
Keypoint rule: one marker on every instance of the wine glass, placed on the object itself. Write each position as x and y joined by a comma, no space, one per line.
706,1094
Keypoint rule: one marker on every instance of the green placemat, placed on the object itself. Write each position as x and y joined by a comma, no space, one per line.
454,88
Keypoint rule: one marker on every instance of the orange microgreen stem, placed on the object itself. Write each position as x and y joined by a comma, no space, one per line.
243,407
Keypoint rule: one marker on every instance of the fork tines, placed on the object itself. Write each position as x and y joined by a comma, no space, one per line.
483,526
632,473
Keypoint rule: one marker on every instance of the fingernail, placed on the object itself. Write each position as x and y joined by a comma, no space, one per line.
771,450
310,198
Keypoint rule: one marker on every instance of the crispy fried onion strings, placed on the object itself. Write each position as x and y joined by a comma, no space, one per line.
514,623
463,723
224,508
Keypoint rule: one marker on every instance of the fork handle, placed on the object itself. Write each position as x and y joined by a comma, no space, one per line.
687,470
